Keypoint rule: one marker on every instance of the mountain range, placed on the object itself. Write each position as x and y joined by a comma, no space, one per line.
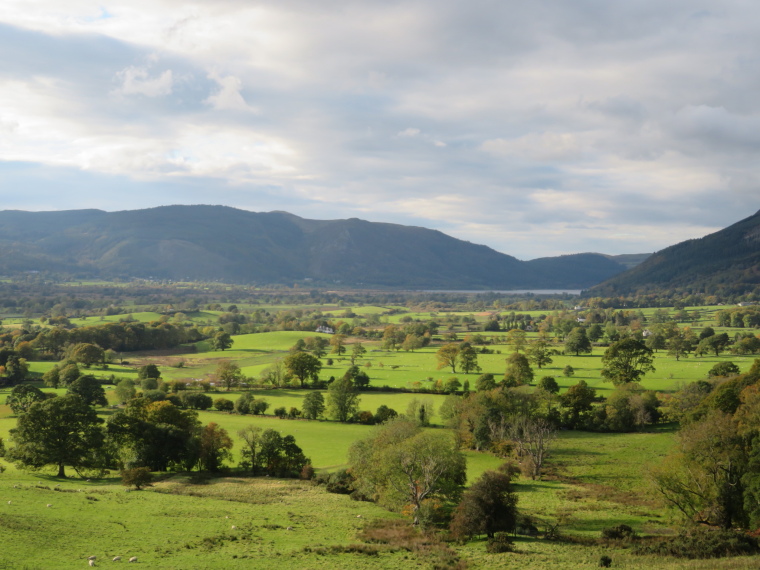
219,243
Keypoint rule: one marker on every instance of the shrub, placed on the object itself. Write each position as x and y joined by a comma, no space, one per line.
224,405
619,532
703,543
500,543
138,477
365,417
605,562
341,482
307,473
568,371
280,412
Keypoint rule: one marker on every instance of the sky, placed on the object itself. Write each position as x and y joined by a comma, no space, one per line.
537,128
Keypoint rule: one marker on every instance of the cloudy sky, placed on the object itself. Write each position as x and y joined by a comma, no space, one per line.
537,128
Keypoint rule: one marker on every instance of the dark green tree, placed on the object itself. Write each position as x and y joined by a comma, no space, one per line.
303,366
313,405
59,431
221,341
90,390
22,397
487,507
627,361
577,342
342,399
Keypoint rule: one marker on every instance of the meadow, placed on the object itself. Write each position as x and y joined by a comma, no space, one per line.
592,480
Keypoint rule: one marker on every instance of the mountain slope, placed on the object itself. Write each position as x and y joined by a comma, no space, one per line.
220,243
728,260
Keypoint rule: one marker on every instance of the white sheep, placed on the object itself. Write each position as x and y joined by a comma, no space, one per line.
93,557
290,528
49,505
92,563
117,558
133,559
9,502
234,527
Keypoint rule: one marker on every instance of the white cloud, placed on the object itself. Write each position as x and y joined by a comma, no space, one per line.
228,98
137,81
571,124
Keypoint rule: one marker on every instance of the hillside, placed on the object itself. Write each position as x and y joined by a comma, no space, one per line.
726,261
217,243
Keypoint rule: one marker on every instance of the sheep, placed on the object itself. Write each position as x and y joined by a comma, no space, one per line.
358,516
93,557
290,528
49,505
92,563
133,559
9,502
117,558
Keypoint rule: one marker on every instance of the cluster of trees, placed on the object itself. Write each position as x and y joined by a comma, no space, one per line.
463,355
713,474
158,435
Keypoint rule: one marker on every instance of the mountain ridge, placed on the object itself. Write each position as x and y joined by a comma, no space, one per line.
221,243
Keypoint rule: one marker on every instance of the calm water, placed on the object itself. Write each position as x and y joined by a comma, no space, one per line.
511,292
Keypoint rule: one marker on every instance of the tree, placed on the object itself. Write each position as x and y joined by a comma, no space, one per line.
215,445
487,507
568,371
22,397
60,431
342,399
87,354
224,405
221,341
412,342
485,382
516,338
125,390
533,437
627,361
148,371
716,344
539,353
317,345
313,405
357,351
678,346
577,341
548,384
90,390
468,358
303,366
518,370
251,436
400,465
52,377
338,343
448,355
578,399
724,370
228,373
701,478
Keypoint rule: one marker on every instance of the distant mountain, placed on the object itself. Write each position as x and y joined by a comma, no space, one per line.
218,243
727,261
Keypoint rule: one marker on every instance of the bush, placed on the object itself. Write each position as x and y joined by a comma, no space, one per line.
307,473
196,401
619,532
703,543
568,371
500,543
138,477
340,482
280,412
605,562
224,405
